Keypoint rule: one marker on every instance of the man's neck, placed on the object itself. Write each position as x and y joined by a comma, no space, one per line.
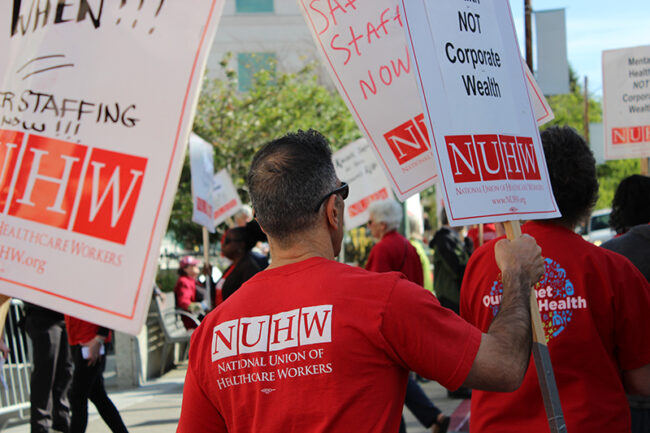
306,246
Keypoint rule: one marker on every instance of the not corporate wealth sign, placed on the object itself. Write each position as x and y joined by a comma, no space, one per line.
96,103
478,111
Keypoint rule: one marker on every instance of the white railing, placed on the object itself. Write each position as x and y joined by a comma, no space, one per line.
14,397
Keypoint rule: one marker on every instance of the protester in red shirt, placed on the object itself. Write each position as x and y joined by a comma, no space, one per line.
313,345
593,303
87,341
394,252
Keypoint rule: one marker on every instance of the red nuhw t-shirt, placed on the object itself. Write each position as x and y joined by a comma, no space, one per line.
594,305
318,346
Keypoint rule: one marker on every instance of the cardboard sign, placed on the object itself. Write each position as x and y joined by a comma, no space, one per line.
363,44
225,198
356,164
541,107
626,102
202,168
478,111
96,104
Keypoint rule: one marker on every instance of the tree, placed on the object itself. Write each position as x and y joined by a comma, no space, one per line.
239,123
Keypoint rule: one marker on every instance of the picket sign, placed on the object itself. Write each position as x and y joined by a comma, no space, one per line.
626,103
356,164
202,172
97,101
364,48
482,126
225,198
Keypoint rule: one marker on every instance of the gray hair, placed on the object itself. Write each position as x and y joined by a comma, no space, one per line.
388,212
286,180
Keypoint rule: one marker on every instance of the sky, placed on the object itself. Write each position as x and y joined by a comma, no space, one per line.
593,26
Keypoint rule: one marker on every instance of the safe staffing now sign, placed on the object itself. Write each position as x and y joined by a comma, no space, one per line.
478,111
96,104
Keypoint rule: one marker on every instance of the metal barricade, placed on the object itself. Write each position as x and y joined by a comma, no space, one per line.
14,397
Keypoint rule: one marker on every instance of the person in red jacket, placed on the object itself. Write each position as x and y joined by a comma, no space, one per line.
87,341
187,296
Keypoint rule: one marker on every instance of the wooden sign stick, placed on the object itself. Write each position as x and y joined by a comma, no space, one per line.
543,365
5,301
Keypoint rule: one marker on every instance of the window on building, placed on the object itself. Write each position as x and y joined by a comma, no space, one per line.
248,64
253,6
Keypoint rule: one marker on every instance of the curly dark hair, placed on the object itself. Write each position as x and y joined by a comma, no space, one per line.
631,204
572,170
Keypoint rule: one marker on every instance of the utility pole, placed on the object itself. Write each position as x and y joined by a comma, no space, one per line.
528,12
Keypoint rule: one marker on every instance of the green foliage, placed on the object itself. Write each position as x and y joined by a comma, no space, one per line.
238,124
610,175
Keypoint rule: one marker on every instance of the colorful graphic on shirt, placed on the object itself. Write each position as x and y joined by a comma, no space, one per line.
555,297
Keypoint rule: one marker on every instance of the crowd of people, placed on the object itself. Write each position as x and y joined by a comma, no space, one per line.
311,344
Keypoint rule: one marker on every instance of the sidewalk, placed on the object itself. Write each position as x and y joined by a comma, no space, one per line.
156,407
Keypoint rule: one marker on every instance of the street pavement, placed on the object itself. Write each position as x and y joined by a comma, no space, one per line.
156,407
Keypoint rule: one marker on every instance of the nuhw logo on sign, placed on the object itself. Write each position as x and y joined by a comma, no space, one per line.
269,333
490,157
69,186
633,134
408,140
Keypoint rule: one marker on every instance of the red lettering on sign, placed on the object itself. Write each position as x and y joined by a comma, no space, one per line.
360,206
489,157
10,142
225,208
110,194
47,181
408,140
47,185
462,156
632,134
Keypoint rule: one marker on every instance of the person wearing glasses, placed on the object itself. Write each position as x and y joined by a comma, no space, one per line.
314,345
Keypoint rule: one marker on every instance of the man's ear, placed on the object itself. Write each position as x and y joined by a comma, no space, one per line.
258,223
332,212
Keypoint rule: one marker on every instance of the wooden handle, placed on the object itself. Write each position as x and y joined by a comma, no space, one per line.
513,231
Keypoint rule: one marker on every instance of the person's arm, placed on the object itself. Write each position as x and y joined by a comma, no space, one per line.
504,352
198,413
95,345
637,381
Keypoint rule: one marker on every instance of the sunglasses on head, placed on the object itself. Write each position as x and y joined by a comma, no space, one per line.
342,190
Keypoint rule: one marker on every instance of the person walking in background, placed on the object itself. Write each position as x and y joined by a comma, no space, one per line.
89,354
51,377
593,303
394,252
450,255
415,237
187,296
630,218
